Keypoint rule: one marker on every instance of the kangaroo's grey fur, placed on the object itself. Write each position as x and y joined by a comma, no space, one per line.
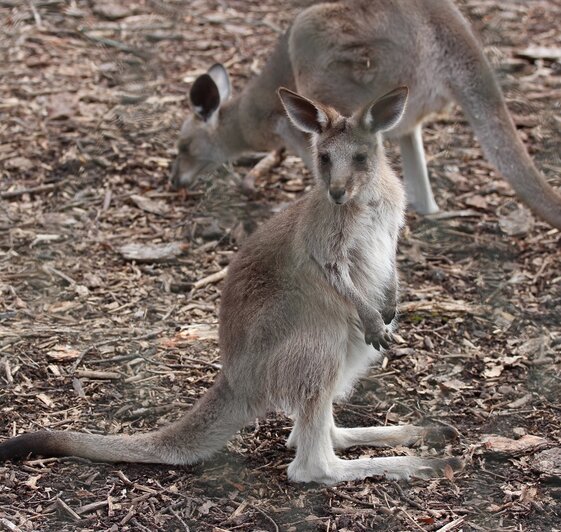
346,53
307,305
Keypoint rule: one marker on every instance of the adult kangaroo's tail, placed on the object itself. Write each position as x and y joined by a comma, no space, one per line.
196,436
475,88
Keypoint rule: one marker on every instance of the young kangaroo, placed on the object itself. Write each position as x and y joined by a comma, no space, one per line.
346,53
308,303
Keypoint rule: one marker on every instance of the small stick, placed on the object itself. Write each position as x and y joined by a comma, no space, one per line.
51,270
32,190
6,363
116,44
36,15
266,516
90,374
8,525
263,167
63,506
92,506
212,278
451,525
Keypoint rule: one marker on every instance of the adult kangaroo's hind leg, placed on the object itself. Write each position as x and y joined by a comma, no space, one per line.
415,173
391,436
383,436
196,436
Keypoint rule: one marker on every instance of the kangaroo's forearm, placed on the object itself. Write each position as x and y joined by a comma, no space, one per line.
389,307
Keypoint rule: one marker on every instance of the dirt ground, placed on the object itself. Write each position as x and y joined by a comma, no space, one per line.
91,98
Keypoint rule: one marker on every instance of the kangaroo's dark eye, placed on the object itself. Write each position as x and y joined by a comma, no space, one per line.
360,158
183,146
324,158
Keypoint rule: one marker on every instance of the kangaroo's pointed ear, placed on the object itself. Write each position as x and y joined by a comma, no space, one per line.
219,75
385,112
303,113
205,97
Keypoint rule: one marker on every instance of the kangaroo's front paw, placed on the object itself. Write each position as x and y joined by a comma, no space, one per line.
377,335
389,314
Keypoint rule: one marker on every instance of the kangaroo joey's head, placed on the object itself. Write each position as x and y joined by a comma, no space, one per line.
347,150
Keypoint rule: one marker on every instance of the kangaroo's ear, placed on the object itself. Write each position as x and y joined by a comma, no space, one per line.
219,75
385,112
205,97
303,113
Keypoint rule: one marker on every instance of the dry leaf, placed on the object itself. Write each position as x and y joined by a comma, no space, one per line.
517,223
111,11
528,494
21,164
146,204
477,201
61,106
492,371
453,384
31,482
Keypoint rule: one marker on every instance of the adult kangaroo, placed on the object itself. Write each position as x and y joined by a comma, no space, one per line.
308,304
346,53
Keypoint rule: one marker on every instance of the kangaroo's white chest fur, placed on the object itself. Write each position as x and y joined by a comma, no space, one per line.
371,253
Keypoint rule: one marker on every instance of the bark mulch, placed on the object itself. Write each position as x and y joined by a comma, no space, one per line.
91,98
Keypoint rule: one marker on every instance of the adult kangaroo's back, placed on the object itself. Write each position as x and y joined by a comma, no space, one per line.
345,53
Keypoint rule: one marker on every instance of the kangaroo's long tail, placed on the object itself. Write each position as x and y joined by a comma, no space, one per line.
197,435
474,86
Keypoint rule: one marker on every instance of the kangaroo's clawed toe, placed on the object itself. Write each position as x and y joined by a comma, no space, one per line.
439,467
440,435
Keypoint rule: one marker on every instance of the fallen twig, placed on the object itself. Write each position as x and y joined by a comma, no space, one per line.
210,279
116,44
8,525
60,504
451,525
451,307
92,374
32,190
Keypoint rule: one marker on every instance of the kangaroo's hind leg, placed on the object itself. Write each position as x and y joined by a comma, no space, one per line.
385,436
391,436
415,173
316,461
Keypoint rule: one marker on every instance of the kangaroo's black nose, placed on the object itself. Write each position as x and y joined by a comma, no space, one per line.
337,193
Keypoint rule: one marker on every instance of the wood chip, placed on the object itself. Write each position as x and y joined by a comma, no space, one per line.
142,252
499,445
548,463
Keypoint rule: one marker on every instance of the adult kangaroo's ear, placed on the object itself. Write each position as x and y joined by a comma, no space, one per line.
306,115
385,112
205,97
219,75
